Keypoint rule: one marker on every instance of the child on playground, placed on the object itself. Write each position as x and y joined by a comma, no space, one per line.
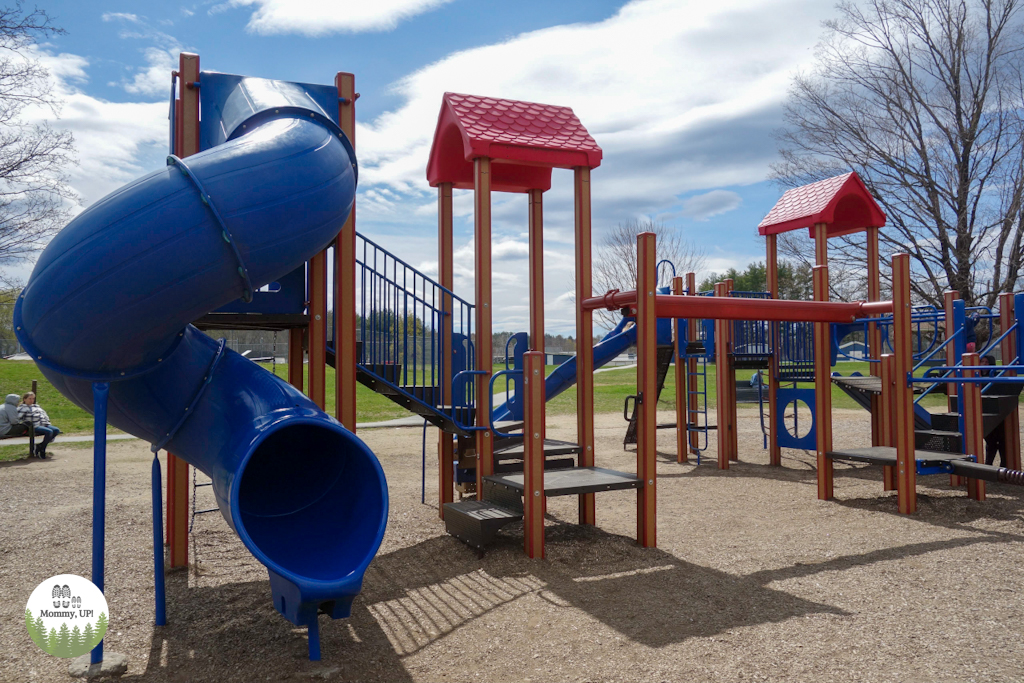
32,413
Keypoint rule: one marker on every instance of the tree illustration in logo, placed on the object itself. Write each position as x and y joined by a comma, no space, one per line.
101,627
33,632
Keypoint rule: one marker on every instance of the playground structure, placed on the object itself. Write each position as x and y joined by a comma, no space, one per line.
202,242
907,439
107,317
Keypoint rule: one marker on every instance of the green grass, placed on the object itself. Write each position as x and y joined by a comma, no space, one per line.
610,391
12,452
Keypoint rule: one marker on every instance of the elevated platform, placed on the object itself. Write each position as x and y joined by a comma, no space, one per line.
886,455
572,481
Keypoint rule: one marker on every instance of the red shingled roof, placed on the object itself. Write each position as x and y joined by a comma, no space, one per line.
843,203
525,140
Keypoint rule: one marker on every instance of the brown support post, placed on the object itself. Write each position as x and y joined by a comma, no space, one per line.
534,498
484,352
584,337
974,430
679,345
691,369
951,387
721,385
296,356
446,277
874,340
647,390
318,329
887,407
345,358
177,469
730,387
823,389
772,277
536,252
906,460
1011,425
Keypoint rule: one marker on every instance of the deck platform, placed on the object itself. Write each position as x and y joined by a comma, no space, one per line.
573,480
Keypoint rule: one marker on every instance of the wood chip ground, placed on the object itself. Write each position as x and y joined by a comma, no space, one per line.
753,579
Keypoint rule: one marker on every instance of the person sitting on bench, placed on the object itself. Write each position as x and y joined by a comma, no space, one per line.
32,413
10,423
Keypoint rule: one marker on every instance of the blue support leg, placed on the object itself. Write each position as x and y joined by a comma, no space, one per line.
100,391
158,547
314,640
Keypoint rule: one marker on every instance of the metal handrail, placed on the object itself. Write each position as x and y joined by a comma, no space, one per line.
490,392
466,428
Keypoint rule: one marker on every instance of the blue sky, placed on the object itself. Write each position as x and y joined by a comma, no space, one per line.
682,95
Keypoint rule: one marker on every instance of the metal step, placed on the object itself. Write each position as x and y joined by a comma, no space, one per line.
745,362
517,451
572,481
476,522
517,465
950,422
429,395
938,441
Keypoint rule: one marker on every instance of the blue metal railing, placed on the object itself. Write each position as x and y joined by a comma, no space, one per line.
751,337
404,320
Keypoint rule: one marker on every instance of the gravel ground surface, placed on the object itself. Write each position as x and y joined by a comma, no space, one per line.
754,579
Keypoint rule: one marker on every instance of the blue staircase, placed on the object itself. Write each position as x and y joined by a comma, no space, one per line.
411,333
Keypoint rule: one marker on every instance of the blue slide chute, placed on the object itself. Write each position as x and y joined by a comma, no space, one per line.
112,297
561,378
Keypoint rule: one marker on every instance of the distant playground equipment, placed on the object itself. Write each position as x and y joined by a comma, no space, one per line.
237,232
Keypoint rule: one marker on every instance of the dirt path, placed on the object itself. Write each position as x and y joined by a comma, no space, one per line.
753,579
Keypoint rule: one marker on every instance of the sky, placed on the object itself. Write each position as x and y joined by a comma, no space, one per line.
681,95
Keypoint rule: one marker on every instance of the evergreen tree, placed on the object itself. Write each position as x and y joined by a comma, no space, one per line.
64,642
89,636
76,642
101,626
41,630
30,624
51,642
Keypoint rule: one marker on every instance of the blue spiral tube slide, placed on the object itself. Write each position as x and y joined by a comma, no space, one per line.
112,297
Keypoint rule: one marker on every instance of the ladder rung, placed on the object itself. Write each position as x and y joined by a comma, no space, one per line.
208,483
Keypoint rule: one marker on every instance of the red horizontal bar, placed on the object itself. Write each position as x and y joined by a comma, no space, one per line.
729,308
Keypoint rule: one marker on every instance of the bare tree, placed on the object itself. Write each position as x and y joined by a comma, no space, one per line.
614,264
923,98
33,156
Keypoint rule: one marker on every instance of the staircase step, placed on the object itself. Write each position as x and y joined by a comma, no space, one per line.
517,451
743,362
517,465
476,522
429,395
938,441
946,422
572,481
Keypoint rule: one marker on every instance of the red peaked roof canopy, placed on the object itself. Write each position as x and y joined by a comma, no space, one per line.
525,140
841,202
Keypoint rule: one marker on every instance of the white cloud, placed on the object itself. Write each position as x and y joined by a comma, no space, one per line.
155,78
322,17
714,203
682,96
122,16
110,137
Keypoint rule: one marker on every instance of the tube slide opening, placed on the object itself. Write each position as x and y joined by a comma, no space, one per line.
312,498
